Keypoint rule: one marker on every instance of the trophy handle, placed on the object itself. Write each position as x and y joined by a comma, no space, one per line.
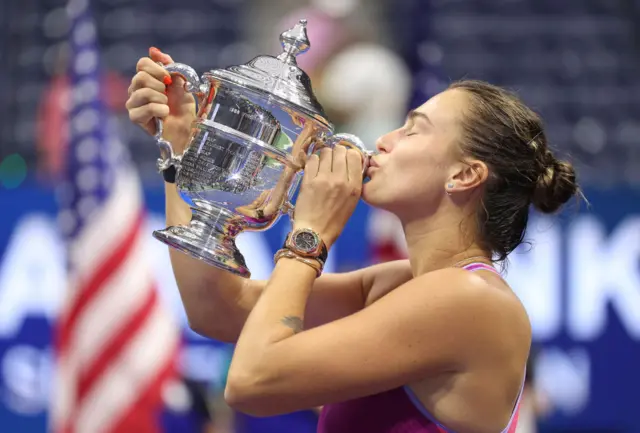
192,84
351,141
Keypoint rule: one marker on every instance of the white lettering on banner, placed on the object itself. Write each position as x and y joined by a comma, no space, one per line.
604,271
26,375
565,378
26,372
32,273
534,273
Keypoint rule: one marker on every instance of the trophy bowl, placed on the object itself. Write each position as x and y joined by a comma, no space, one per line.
255,126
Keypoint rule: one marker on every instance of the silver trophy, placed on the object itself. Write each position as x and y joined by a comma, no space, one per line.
256,124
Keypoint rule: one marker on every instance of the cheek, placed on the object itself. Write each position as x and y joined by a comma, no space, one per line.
422,168
408,176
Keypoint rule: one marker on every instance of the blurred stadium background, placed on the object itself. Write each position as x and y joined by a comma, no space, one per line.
575,61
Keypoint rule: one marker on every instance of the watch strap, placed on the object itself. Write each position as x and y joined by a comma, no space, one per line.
169,174
315,263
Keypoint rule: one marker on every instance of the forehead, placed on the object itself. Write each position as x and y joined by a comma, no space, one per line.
445,109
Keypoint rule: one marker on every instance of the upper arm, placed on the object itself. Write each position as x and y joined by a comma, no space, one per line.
337,295
427,326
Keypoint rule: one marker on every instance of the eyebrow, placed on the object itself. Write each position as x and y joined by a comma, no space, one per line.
413,114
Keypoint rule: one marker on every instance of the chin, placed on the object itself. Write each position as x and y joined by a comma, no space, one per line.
367,193
372,197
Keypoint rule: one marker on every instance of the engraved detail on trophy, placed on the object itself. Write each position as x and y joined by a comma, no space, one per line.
255,127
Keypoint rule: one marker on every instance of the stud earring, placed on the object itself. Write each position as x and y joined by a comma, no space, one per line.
449,186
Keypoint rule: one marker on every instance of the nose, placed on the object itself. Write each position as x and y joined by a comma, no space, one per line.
383,144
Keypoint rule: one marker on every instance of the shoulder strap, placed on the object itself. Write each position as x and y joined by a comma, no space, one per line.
472,267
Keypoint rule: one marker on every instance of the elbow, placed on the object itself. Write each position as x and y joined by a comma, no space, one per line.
197,322
246,396
207,329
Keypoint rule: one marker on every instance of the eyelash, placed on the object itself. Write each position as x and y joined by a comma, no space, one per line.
407,133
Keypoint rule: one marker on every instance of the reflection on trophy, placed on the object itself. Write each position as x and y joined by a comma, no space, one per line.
256,124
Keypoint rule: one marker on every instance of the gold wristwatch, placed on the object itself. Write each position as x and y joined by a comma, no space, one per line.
305,246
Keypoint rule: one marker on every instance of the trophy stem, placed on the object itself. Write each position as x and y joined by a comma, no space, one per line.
210,237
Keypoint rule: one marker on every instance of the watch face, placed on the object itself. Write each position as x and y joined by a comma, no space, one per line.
306,241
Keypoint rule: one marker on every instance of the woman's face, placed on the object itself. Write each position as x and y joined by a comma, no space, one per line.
417,160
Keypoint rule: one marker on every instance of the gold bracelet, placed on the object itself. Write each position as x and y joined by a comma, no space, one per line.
309,261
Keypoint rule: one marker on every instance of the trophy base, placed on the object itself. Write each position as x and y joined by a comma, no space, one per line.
219,251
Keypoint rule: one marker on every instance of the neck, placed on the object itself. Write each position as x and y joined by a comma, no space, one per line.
440,242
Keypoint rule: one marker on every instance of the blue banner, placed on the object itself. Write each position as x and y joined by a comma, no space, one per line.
579,279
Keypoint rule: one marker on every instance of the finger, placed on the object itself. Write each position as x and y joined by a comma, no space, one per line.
144,80
178,82
158,56
354,167
311,168
145,96
262,198
142,115
340,162
326,160
152,68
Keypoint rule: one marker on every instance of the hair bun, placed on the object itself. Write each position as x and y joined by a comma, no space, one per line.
555,186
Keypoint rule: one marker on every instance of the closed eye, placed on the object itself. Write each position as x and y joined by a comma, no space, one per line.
407,130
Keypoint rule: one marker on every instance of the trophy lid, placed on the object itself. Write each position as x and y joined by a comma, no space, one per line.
280,76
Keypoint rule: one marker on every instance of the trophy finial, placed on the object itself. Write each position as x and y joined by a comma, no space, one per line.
294,41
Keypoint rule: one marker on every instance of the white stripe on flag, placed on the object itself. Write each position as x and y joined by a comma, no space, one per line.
129,375
119,298
107,227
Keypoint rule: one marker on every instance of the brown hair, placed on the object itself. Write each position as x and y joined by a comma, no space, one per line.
500,130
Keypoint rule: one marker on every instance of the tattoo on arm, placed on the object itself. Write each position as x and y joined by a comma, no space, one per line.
294,323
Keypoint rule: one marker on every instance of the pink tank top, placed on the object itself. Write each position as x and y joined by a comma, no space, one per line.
394,411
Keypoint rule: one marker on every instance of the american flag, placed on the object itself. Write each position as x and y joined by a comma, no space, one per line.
116,342
386,237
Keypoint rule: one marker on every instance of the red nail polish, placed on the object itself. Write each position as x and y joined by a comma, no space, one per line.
167,80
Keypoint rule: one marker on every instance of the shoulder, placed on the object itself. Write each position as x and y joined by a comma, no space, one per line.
481,310
477,290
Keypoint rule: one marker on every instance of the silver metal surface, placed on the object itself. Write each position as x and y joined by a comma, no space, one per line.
256,125
279,77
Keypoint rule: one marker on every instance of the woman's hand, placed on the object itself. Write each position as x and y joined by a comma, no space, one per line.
154,93
330,191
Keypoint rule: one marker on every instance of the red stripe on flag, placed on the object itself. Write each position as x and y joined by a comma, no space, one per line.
110,351
142,415
88,290
386,252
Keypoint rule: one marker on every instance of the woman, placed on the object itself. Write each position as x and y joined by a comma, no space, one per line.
438,342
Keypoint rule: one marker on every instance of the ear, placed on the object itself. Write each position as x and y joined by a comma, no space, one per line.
467,175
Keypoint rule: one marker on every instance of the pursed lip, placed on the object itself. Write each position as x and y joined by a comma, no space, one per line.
371,169
373,166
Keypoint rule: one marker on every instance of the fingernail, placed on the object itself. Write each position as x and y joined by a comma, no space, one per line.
155,49
167,80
